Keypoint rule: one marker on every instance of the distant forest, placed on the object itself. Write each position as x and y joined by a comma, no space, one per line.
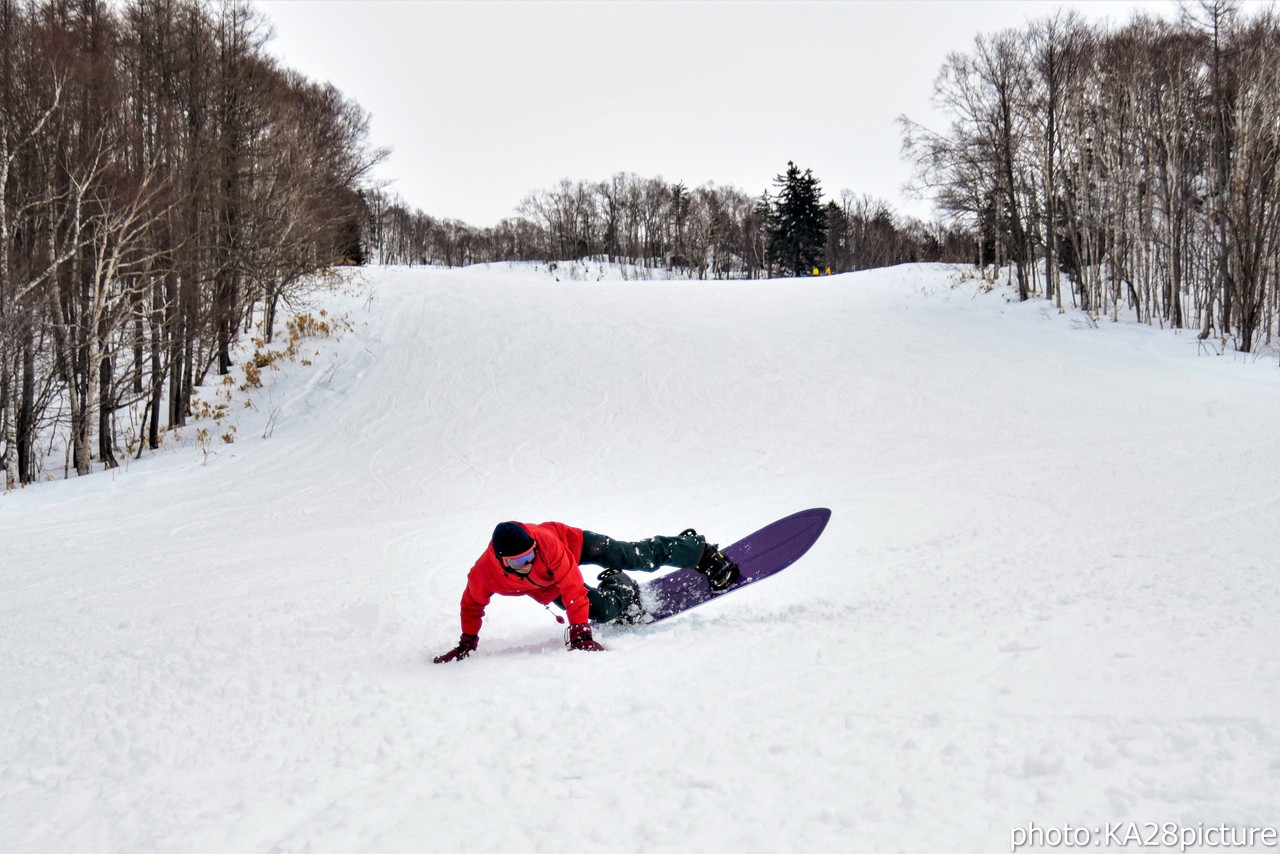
704,232
1129,169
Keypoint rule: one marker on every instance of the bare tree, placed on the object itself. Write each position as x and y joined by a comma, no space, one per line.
160,180
1154,151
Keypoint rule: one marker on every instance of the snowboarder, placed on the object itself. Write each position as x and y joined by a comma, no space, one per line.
543,563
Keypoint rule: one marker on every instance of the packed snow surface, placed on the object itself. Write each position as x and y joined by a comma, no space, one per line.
1047,595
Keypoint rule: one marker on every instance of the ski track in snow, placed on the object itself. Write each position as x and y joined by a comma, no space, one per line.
1047,593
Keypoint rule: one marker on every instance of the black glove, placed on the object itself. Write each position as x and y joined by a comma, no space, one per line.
466,645
580,638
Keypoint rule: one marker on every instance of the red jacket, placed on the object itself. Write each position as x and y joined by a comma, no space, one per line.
555,574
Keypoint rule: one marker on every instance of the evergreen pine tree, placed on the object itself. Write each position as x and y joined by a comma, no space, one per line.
797,223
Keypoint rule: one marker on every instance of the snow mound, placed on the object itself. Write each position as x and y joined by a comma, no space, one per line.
1047,593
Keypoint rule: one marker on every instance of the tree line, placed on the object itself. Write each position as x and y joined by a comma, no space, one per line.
163,181
705,232
1124,168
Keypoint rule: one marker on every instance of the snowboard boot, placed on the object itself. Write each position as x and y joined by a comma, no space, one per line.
719,570
623,592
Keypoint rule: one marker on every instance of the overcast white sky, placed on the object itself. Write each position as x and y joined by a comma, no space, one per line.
485,101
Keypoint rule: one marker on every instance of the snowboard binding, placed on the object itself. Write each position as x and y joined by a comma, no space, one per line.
721,572
624,590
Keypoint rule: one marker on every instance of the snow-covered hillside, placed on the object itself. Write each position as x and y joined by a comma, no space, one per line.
1047,595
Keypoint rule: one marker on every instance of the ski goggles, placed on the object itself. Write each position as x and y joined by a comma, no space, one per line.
520,563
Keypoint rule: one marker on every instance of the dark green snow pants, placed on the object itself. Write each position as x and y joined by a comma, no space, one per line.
616,592
645,555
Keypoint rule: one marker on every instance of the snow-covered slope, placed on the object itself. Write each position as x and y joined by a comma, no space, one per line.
1047,594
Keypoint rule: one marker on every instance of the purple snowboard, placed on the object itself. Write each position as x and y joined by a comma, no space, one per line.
771,549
